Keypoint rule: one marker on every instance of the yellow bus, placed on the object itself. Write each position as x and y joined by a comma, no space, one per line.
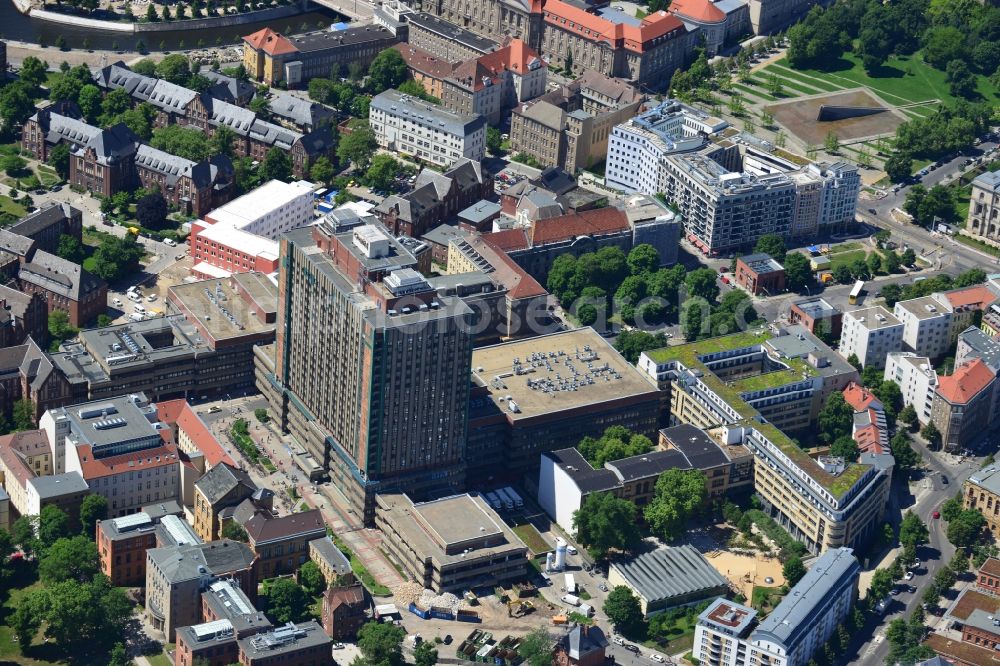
859,286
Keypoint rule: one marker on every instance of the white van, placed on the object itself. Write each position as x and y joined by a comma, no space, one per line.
135,316
571,599
139,310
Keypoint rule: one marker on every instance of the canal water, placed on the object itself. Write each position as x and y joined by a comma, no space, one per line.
16,26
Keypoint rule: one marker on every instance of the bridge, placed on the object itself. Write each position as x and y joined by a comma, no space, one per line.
360,11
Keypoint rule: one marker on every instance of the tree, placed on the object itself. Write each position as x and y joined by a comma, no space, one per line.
425,654
632,343
59,160
233,530
616,443
912,530
604,522
33,71
909,416
909,257
382,172
874,262
13,165
836,419
357,148
702,283
965,529
643,258
536,648
222,142
261,106
906,457
90,100
53,524
793,570
772,245
186,142
175,68
943,45
494,140
277,165
952,508
311,578
116,256
381,645
931,433
961,80
79,616
16,105
94,508
151,211
321,170
798,272
69,559
899,166
623,609
287,601
880,585
678,496
846,448
71,249
119,657
261,415
59,326
387,70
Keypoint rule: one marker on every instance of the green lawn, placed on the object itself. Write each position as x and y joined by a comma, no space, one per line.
978,244
789,74
8,205
901,80
532,538
755,92
765,598
846,258
160,660
10,650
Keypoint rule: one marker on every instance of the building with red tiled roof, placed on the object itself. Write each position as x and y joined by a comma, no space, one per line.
988,576
718,22
963,404
870,430
645,51
492,84
426,68
191,435
272,57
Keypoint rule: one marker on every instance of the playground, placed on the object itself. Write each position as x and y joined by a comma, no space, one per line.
747,571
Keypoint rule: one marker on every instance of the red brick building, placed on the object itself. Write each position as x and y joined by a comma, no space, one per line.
194,188
760,274
988,577
581,646
344,611
122,544
818,316
289,645
64,286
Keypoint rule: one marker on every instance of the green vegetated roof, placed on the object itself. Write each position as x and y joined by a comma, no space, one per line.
688,354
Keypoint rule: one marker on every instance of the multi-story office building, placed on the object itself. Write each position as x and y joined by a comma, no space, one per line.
492,84
204,346
917,380
734,382
446,39
450,544
288,645
115,445
193,187
729,634
272,58
569,126
122,542
390,408
870,334
614,43
637,146
984,208
963,404
411,126
926,325
566,479
177,575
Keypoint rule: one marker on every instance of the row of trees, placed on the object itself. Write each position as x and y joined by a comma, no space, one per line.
950,129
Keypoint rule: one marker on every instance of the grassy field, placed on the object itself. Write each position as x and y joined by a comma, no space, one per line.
8,205
10,650
901,80
532,538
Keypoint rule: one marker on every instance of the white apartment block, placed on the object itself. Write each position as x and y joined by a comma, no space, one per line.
926,325
730,634
268,211
916,379
841,186
411,126
870,334
637,146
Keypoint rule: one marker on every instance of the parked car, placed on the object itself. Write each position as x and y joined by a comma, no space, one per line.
151,298
936,515
631,648
658,658
170,242
571,550
618,640
908,575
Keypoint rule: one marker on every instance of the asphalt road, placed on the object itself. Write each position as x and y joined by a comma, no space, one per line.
934,555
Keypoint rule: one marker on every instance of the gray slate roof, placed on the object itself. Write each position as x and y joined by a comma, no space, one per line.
59,276
182,563
670,572
302,112
170,97
53,213
58,485
217,482
797,612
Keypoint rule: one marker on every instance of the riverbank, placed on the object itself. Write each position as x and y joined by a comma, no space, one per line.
18,51
184,25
